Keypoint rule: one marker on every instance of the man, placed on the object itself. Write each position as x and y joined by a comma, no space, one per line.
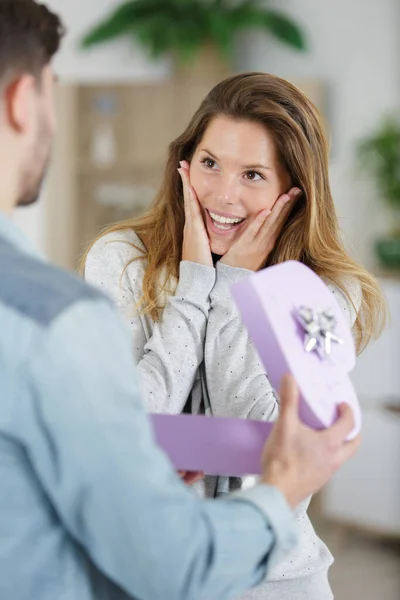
90,508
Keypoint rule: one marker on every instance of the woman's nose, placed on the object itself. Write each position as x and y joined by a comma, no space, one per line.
228,190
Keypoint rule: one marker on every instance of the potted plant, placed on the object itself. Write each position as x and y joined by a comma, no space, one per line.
380,154
185,28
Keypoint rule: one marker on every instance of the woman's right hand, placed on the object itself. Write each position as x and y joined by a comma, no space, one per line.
196,245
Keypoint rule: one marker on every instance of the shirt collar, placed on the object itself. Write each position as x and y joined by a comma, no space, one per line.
10,232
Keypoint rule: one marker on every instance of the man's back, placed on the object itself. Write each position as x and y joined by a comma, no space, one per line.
90,508
33,295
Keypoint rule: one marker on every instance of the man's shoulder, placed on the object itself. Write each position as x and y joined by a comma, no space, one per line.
38,290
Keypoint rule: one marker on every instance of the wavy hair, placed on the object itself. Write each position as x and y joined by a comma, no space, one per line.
311,233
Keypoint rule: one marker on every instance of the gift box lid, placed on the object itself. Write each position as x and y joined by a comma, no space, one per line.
298,327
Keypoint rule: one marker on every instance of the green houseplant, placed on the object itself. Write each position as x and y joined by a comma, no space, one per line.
379,154
185,27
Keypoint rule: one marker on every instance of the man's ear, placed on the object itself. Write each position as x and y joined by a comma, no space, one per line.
18,102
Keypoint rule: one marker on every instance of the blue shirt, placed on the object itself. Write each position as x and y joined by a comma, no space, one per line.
90,508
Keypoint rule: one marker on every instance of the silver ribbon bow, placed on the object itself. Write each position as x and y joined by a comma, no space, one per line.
319,327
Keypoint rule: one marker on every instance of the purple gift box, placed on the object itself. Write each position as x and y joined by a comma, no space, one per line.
213,445
297,327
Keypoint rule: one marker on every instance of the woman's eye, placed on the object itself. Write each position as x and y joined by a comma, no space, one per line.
253,176
209,163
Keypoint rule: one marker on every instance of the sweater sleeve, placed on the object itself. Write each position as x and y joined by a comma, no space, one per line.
237,383
168,357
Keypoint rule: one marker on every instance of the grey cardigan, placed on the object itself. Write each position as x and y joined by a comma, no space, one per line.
200,358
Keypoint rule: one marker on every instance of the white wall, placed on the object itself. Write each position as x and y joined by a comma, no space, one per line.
355,49
117,61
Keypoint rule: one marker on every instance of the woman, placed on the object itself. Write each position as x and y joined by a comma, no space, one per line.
252,191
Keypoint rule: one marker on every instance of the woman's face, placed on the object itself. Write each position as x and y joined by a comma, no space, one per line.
235,174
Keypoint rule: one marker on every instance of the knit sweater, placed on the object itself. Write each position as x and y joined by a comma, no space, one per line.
199,358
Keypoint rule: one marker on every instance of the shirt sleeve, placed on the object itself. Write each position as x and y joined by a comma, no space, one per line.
91,446
169,356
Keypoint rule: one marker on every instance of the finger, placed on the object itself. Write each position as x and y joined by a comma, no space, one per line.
254,226
285,202
269,231
344,425
185,165
190,197
346,451
185,168
279,213
289,398
295,193
283,205
345,422
190,201
292,194
273,226
182,174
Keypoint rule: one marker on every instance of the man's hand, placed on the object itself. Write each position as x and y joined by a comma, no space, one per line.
298,460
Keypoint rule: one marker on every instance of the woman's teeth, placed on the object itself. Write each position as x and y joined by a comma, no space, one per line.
224,222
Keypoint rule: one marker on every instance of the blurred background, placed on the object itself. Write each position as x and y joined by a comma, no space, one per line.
125,95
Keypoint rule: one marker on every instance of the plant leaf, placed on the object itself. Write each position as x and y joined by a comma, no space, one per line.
380,154
190,36
285,29
119,22
184,25
220,31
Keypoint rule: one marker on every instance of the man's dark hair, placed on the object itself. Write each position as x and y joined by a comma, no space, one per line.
30,35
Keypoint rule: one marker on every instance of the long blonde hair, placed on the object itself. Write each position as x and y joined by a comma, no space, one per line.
311,234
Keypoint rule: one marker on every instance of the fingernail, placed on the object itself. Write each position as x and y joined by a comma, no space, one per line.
180,162
297,193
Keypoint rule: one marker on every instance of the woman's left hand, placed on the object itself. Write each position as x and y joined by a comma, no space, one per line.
257,241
